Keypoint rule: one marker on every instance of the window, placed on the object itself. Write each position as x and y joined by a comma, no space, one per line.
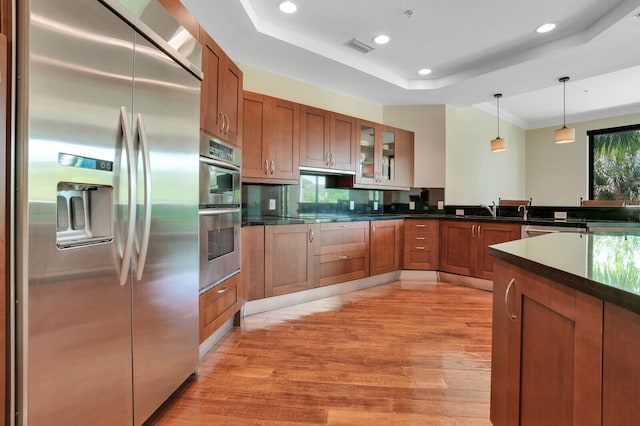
313,190
614,164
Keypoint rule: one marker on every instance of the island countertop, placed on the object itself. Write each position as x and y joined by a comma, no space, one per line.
604,265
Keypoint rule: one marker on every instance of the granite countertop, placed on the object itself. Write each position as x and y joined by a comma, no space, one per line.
326,218
604,265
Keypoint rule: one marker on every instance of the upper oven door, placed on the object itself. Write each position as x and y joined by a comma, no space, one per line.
219,184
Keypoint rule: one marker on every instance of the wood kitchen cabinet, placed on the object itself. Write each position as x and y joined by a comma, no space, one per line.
342,252
546,363
383,150
385,246
252,261
182,15
327,140
621,369
464,245
288,258
219,304
421,244
271,140
221,93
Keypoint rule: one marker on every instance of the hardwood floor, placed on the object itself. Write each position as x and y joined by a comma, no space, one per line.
406,353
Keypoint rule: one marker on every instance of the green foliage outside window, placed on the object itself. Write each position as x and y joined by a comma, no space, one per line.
616,165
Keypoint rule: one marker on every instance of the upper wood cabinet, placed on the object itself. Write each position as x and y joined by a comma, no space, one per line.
182,15
221,93
271,140
385,156
327,140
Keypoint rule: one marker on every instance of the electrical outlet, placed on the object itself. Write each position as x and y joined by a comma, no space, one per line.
375,205
560,215
459,212
440,205
352,205
412,205
272,204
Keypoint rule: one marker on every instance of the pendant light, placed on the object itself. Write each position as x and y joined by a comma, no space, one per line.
498,144
565,134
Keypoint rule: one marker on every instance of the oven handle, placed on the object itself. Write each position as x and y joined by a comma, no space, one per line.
218,163
213,212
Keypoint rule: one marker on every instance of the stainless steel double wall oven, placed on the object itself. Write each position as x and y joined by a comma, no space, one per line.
220,216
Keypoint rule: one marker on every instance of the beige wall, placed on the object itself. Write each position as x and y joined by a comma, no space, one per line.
267,83
558,175
428,124
475,175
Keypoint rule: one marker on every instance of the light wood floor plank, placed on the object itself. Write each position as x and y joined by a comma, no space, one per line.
406,353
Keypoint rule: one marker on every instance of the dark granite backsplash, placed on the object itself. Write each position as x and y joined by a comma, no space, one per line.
285,201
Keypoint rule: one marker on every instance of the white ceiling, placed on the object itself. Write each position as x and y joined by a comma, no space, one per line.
475,49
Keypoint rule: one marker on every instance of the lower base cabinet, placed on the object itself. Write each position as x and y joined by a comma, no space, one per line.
386,246
341,252
288,258
252,261
218,305
546,365
421,244
621,369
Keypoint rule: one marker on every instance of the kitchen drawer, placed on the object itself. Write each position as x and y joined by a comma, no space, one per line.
420,256
345,266
339,237
420,225
218,305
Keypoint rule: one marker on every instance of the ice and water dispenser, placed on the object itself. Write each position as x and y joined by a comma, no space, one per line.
84,210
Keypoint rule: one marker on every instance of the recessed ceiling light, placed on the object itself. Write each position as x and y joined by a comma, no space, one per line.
288,7
424,71
545,28
381,39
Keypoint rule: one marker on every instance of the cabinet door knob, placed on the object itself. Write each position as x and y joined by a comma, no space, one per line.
266,167
310,235
511,316
221,114
273,166
473,231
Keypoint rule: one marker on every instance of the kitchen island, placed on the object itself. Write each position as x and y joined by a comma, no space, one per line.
566,330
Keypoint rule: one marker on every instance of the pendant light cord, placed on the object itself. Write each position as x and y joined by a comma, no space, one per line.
564,80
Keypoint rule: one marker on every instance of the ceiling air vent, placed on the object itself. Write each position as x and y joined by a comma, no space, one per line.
358,45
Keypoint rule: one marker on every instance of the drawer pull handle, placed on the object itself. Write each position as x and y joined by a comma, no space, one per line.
419,248
343,257
344,226
421,226
420,238
223,290
511,316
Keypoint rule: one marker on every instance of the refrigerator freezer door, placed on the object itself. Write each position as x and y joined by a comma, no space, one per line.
75,327
165,299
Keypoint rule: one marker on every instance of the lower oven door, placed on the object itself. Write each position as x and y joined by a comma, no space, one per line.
219,245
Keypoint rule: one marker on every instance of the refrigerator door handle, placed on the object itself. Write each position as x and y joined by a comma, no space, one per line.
128,245
146,167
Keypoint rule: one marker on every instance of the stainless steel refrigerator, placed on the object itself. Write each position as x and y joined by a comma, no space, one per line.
106,210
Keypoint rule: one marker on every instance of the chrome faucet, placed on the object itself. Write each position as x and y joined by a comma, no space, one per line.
492,208
525,211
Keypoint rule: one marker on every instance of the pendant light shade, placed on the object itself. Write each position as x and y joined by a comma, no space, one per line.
565,134
498,144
